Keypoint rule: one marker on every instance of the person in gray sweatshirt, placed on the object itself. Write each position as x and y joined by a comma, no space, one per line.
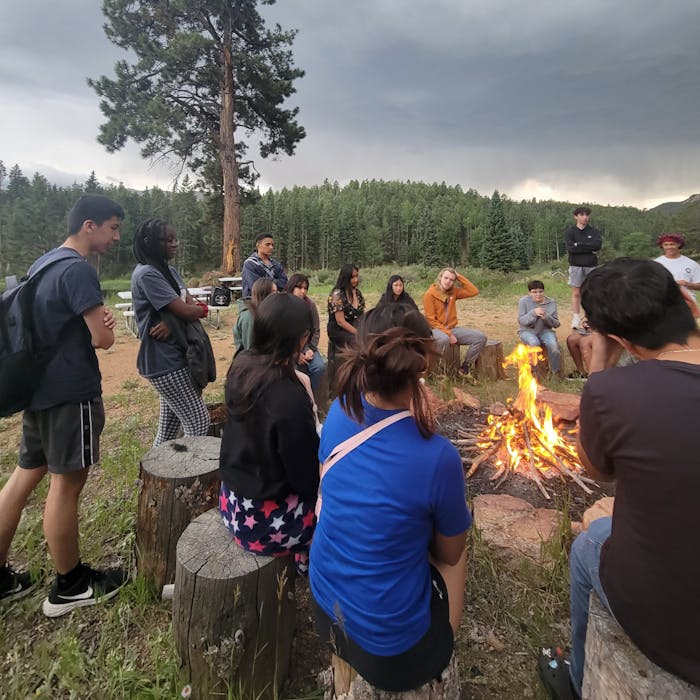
537,317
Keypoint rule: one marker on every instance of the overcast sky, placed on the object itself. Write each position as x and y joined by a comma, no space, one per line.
580,100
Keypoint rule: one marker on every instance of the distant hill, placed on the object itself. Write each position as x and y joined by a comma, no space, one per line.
672,208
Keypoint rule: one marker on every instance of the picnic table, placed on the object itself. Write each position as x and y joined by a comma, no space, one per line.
201,294
235,284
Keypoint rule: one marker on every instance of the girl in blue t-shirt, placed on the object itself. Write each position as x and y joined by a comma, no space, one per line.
158,294
388,555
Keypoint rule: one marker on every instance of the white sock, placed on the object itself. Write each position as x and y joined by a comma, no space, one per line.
576,321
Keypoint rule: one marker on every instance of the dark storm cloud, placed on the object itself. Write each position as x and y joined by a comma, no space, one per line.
588,98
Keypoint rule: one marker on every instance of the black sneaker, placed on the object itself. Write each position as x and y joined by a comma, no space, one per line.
13,585
94,587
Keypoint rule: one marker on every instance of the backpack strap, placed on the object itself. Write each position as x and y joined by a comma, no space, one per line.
347,446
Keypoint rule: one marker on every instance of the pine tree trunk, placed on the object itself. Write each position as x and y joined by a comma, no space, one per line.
231,261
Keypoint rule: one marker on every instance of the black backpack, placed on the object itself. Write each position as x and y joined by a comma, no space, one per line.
22,360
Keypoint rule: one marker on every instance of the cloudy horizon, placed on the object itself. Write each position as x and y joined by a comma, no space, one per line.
576,101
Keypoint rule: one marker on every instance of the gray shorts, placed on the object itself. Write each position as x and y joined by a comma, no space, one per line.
66,438
578,274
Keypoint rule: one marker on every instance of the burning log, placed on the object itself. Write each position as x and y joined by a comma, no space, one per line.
525,434
482,458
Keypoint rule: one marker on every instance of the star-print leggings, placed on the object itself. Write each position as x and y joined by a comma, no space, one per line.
273,528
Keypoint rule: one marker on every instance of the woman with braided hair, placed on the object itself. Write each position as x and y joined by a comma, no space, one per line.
388,556
158,290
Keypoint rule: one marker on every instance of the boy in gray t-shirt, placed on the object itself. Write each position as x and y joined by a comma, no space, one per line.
62,426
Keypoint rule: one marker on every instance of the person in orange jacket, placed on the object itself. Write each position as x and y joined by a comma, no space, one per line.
440,310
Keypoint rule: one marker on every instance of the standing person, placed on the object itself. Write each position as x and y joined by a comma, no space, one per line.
685,270
161,302
388,558
582,243
396,293
537,318
345,307
638,426
269,467
262,264
310,360
62,426
440,308
243,330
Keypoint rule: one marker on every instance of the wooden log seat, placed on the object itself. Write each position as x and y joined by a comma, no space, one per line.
489,364
341,682
178,480
449,363
233,614
615,668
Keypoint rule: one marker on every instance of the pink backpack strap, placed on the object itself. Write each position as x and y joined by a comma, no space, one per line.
347,446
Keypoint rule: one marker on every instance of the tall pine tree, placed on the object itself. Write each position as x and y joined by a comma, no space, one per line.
497,251
204,72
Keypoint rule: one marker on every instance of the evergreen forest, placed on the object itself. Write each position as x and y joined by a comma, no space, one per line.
371,222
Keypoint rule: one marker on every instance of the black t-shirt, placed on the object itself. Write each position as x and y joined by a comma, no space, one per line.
640,423
64,293
273,450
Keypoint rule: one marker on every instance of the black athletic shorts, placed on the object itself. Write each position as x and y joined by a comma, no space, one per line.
65,437
420,664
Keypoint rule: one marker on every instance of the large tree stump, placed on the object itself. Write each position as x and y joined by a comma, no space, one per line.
233,614
449,362
341,682
178,480
489,364
615,668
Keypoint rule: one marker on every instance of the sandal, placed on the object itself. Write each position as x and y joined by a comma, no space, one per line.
553,667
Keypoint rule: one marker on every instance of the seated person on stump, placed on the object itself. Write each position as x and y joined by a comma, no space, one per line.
638,426
268,458
538,317
439,306
388,557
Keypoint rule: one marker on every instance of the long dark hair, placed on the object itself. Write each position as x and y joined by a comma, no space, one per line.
296,280
281,321
394,343
149,248
388,296
343,282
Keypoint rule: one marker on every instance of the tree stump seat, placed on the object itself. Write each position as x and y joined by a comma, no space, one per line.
489,364
178,480
341,682
449,363
616,668
233,614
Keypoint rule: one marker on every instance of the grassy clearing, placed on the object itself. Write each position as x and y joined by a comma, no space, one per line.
125,649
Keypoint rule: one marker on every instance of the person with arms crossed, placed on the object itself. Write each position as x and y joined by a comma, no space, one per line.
61,428
262,264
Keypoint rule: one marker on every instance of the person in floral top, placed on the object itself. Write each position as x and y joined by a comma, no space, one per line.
345,306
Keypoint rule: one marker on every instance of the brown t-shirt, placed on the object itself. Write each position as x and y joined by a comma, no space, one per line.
642,424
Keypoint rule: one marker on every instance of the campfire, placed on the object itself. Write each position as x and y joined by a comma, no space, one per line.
524,439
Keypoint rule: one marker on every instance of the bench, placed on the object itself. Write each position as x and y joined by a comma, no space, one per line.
615,668
233,614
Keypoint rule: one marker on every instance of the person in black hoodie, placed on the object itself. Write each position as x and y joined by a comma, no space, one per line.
582,243
268,459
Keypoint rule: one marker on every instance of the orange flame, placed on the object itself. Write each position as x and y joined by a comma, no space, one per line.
527,430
